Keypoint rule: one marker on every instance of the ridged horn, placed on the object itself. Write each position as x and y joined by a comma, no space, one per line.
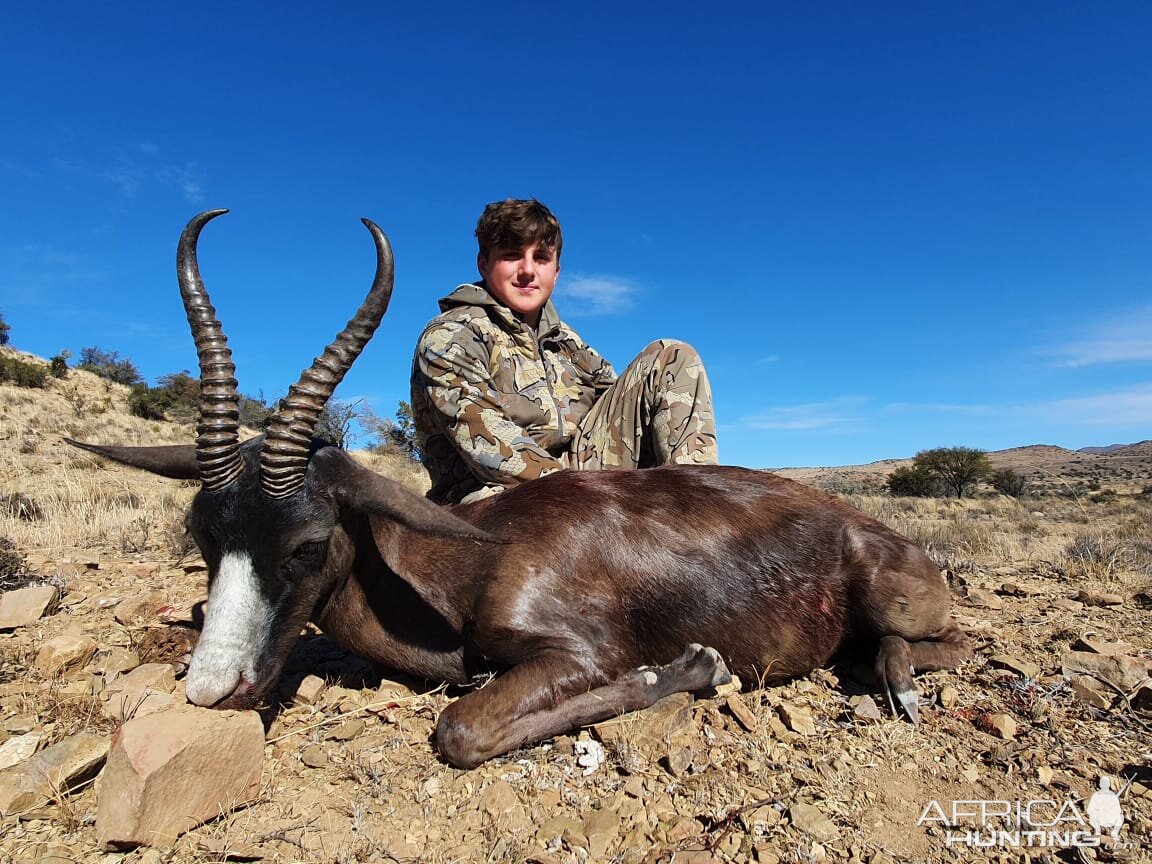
288,440
218,427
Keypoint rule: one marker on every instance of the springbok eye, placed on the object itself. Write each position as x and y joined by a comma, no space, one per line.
311,551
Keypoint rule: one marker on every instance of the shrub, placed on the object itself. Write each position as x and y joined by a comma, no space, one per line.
58,365
107,364
12,573
4,328
1008,482
23,374
21,506
912,481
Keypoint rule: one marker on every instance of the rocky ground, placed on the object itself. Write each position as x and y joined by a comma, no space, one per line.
810,771
99,612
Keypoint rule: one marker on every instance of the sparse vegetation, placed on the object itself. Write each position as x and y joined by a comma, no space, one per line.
392,435
107,364
913,481
5,330
1008,482
22,373
958,468
12,567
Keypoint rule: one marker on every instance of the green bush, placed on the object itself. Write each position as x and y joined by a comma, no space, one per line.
1008,482
912,481
58,365
107,364
23,374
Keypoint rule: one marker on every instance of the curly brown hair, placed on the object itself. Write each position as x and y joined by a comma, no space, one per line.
515,223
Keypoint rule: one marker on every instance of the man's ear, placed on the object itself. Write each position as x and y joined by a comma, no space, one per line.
482,264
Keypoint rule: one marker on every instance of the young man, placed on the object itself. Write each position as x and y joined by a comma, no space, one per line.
503,391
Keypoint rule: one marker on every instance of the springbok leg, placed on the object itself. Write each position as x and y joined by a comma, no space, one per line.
549,694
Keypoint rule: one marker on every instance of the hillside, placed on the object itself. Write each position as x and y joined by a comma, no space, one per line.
1049,469
1054,594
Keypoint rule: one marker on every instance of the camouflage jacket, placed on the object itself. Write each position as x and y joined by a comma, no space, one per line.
494,402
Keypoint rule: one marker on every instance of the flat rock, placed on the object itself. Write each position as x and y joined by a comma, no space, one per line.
1003,726
1125,672
1015,664
19,748
53,770
1091,692
145,690
140,608
810,820
1099,598
26,606
1088,642
744,716
796,719
63,654
309,690
171,771
867,711
981,599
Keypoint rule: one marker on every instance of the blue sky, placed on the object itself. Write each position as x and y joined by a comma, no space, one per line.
885,226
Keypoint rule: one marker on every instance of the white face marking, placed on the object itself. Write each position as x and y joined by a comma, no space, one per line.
236,627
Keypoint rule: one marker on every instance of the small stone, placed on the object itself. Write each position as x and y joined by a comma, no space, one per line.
309,690
1003,725
796,719
51,771
314,756
1015,664
741,712
981,599
18,749
948,696
1044,775
867,711
347,730
810,820
601,828
145,690
26,606
63,654
679,761
116,660
1091,692
1097,598
140,608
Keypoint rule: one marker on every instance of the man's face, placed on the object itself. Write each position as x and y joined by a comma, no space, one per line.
521,279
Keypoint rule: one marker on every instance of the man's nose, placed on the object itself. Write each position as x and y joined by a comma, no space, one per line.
526,266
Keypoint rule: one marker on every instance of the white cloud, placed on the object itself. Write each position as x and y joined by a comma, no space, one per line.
598,295
1125,338
1118,408
134,173
838,415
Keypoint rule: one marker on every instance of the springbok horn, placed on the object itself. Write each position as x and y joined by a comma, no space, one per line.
289,437
218,427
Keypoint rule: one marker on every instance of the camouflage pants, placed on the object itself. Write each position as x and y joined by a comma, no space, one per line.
658,412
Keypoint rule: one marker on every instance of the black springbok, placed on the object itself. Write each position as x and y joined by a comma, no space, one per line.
593,592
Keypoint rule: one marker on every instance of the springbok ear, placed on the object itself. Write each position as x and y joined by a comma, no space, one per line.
369,492
177,461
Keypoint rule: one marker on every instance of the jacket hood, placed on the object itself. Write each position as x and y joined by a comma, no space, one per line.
475,294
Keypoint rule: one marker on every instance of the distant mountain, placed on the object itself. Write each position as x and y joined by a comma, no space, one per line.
1141,448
